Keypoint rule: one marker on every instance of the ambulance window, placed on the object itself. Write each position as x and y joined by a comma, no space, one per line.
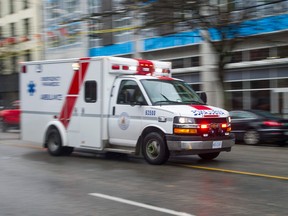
129,92
90,91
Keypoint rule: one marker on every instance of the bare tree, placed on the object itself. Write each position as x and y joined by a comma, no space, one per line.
221,25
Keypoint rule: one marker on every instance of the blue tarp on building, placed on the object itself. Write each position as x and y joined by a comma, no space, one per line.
249,28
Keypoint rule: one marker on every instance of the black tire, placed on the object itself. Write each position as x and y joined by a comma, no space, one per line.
154,149
54,143
209,156
67,151
251,137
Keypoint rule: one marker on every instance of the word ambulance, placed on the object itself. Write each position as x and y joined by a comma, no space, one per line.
114,104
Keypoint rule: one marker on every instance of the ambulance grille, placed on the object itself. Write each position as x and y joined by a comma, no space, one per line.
210,120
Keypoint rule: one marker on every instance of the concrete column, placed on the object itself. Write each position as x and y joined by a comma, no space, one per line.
208,75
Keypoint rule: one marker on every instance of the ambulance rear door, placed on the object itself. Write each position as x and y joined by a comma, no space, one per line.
88,107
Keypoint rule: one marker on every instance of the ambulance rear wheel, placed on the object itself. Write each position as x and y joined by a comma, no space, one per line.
54,143
154,149
209,156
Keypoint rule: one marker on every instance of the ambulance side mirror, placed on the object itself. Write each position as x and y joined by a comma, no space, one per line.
203,96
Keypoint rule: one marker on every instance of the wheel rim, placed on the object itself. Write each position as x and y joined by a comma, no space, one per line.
251,137
53,143
153,149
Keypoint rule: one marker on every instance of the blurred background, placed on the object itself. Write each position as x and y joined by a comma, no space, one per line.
235,51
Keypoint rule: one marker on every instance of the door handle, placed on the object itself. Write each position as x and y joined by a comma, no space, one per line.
113,110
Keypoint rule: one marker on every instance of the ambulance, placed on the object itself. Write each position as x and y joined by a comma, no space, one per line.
122,105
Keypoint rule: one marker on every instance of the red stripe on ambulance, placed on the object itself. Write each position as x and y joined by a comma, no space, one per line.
73,92
200,107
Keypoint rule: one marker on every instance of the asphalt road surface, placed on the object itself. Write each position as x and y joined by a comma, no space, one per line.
250,180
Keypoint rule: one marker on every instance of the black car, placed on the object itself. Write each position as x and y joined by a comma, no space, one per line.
258,126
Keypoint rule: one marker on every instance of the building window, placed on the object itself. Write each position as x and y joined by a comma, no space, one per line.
177,63
28,55
260,84
123,36
236,57
260,100
195,61
282,83
235,85
12,30
259,54
14,64
25,4
11,6
90,91
282,51
94,6
1,33
26,27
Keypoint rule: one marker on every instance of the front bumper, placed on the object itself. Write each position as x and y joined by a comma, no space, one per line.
198,144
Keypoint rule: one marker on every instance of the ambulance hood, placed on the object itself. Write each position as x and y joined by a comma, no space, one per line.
196,111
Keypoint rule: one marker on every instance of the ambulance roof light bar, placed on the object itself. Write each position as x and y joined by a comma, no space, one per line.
142,67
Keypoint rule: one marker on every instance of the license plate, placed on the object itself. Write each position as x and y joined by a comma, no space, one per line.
216,144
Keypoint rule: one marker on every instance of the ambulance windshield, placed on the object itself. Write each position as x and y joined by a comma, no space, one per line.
164,92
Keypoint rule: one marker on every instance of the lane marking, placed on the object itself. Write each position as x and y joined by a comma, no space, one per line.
235,172
142,205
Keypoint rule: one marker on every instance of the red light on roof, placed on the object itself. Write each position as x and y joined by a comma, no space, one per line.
24,69
125,67
115,67
145,67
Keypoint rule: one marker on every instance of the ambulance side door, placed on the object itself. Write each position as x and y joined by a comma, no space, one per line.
127,108
89,108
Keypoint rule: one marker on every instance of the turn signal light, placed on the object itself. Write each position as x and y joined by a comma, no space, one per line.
185,131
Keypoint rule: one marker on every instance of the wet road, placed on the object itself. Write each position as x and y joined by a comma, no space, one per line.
250,180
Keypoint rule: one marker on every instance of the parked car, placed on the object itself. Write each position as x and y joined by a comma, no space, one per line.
10,116
257,126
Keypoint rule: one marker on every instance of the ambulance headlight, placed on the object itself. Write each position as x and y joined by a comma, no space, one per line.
184,120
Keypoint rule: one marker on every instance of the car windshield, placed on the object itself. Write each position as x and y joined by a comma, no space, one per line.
170,92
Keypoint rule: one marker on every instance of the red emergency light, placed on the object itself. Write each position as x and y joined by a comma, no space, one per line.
141,67
24,70
145,67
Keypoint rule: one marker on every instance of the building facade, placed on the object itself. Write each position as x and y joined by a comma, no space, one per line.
20,40
256,78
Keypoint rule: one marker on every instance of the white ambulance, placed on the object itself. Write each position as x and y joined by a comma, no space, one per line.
114,104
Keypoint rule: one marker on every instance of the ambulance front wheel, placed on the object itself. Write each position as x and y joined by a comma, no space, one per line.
54,144
154,149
